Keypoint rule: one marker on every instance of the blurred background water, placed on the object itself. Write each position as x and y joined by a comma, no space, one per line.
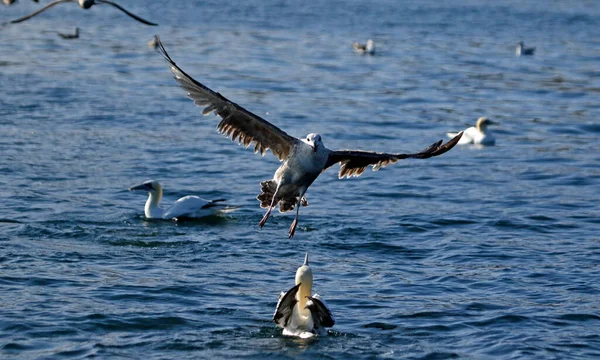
480,253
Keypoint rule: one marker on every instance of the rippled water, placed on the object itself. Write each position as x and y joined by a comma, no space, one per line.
479,253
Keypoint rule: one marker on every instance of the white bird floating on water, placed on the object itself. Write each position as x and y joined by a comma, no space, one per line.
186,207
477,134
73,35
84,4
368,49
522,50
300,314
303,159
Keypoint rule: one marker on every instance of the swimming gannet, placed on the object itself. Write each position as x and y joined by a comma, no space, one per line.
186,207
522,50
303,159
369,48
84,4
477,134
300,314
73,35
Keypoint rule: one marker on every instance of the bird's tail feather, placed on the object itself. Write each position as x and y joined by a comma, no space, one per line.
268,189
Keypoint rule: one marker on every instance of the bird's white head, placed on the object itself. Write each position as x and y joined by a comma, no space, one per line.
314,140
370,46
151,186
155,192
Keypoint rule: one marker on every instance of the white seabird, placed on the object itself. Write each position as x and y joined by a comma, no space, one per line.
478,134
10,2
73,35
300,314
84,4
187,207
522,50
303,159
369,48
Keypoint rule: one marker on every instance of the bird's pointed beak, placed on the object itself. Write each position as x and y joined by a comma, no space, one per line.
138,187
306,259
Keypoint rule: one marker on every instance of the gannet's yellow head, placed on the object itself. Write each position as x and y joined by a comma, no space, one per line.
483,123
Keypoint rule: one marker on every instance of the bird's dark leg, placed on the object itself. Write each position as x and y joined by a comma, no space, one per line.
268,213
295,222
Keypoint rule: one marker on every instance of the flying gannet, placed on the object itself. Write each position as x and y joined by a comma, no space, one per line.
303,158
300,314
368,49
10,2
477,134
186,207
522,50
84,4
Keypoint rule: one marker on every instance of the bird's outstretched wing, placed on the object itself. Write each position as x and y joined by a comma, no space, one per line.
40,11
321,314
126,12
285,307
355,162
238,123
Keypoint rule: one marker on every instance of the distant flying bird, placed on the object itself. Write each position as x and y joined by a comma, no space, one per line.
186,207
477,134
10,2
73,35
84,4
522,50
298,312
368,49
303,158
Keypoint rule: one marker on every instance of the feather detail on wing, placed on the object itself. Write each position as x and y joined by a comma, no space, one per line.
126,12
355,162
285,307
214,203
238,123
321,314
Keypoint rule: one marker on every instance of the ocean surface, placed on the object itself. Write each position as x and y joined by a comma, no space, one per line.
484,252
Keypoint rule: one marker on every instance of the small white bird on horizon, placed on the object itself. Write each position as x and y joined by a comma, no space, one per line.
522,50
477,134
187,207
300,314
368,49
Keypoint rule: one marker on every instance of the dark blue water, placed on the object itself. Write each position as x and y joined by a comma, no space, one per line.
480,253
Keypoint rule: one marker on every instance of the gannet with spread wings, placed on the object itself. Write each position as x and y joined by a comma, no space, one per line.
84,4
303,159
